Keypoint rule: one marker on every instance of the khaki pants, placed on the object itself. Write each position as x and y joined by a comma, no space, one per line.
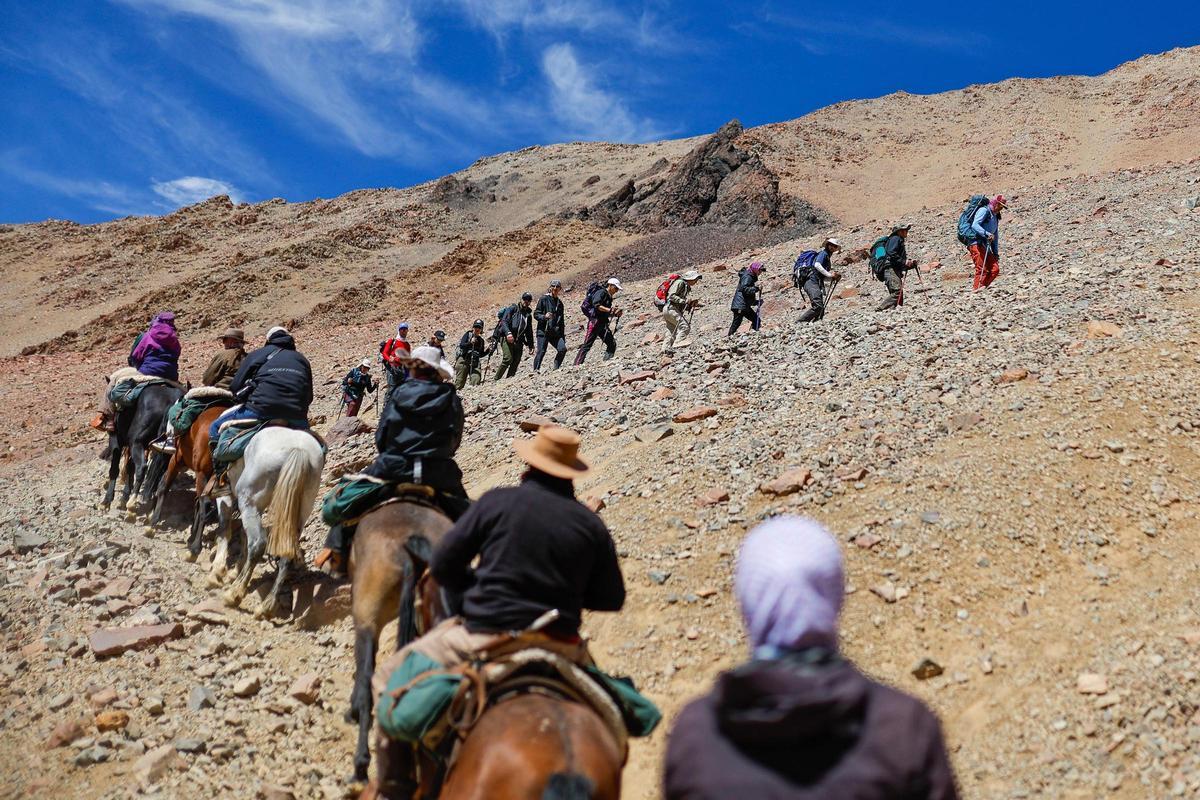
677,326
463,374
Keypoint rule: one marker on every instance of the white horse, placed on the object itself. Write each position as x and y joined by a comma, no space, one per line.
277,477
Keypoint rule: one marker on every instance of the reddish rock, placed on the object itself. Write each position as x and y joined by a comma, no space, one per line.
847,293
345,428
734,400
789,482
716,367
34,648
102,698
1014,375
533,423
866,540
114,641
1098,329
112,720
306,688
712,497
662,393
117,588
635,377
66,732
961,422
853,474
695,414
595,503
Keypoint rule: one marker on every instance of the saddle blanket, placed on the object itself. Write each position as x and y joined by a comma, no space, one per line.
234,437
124,392
182,415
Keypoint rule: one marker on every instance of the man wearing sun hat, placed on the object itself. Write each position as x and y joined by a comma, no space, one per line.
985,251
539,550
357,384
224,365
675,310
813,280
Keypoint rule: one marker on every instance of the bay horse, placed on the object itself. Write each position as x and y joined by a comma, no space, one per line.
192,451
389,555
135,429
278,476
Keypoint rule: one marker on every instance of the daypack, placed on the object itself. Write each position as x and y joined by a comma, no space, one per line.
878,256
500,317
660,296
966,233
586,306
803,268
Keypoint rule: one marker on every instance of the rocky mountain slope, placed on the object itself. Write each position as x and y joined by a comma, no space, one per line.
1013,473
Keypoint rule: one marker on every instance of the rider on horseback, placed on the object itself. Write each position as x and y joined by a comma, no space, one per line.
539,550
154,353
419,432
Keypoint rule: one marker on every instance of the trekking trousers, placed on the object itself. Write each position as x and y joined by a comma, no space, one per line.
462,374
895,287
596,330
741,314
352,406
814,287
511,358
677,327
543,341
987,265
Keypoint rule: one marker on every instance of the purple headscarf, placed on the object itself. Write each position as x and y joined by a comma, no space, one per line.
790,584
756,268
159,336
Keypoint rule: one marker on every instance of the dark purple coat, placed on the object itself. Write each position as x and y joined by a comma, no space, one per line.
790,729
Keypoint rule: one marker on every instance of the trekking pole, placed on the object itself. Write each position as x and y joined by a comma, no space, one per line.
758,311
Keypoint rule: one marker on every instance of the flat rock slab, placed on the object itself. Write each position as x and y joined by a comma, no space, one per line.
789,482
653,433
695,414
107,642
533,423
635,377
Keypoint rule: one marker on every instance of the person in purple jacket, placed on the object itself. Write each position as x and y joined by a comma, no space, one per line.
798,721
156,352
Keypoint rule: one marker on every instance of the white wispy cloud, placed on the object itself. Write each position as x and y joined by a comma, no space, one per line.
583,108
192,189
102,195
826,33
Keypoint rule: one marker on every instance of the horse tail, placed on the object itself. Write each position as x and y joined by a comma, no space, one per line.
568,786
155,472
285,512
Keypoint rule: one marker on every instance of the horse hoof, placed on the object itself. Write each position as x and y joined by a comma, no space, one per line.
231,598
351,715
130,516
213,581
189,556
148,531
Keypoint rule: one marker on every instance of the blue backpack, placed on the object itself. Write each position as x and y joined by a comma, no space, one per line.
803,268
966,233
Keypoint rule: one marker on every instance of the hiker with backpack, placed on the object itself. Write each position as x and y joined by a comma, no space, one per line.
393,352
979,230
551,329
672,298
513,333
811,269
472,349
889,262
747,298
599,307
355,386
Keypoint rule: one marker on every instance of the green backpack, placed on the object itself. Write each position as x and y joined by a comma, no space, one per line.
878,256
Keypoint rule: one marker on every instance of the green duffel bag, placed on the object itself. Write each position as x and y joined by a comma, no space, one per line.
354,496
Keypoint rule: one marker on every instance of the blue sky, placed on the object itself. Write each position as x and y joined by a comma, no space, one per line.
116,107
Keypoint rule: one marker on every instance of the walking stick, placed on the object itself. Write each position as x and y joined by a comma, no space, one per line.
758,311
828,296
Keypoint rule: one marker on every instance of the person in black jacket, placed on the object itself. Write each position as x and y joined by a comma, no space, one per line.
895,263
472,349
419,432
272,383
551,329
517,554
514,333
604,308
357,384
798,721
745,298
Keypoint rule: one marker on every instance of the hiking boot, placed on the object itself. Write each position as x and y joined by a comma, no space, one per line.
331,562
164,444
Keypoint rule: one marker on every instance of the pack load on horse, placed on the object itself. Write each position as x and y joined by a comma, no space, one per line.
140,403
514,657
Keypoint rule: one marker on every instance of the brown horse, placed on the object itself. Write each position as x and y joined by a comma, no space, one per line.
191,451
535,746
390,553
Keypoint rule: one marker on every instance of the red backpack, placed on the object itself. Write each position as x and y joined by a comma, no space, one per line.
660,296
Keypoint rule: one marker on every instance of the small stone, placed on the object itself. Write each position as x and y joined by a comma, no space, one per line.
962,422
270,791
658,576
114,641
155,763
1114,447
190,744
535,422
66,732
930,517
625,378
247,687
200,697
594,503
1092,683
102,698
60,701
695,414
112,720
1097,329
713,497
927,668
92,755
653,433
790,482
306,688
153,705
1013,375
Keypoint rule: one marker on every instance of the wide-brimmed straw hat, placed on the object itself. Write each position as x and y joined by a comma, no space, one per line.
233,333
432,357
833,242
555,451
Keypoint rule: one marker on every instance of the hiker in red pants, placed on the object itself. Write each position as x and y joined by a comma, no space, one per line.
985,250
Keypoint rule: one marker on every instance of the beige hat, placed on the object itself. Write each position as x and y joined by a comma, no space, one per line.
691,275
833,242
614,282
432,357
366,362
555,451
233,333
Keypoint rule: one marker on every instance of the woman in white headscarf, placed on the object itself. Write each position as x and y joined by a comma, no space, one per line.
798,720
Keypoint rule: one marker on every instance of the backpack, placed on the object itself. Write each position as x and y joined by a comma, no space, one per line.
586,306
803,268
501,315
660,296
966,233
878,256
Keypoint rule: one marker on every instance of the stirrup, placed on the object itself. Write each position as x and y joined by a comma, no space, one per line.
164,444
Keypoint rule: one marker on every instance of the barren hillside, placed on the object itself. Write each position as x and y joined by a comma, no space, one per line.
1013,473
